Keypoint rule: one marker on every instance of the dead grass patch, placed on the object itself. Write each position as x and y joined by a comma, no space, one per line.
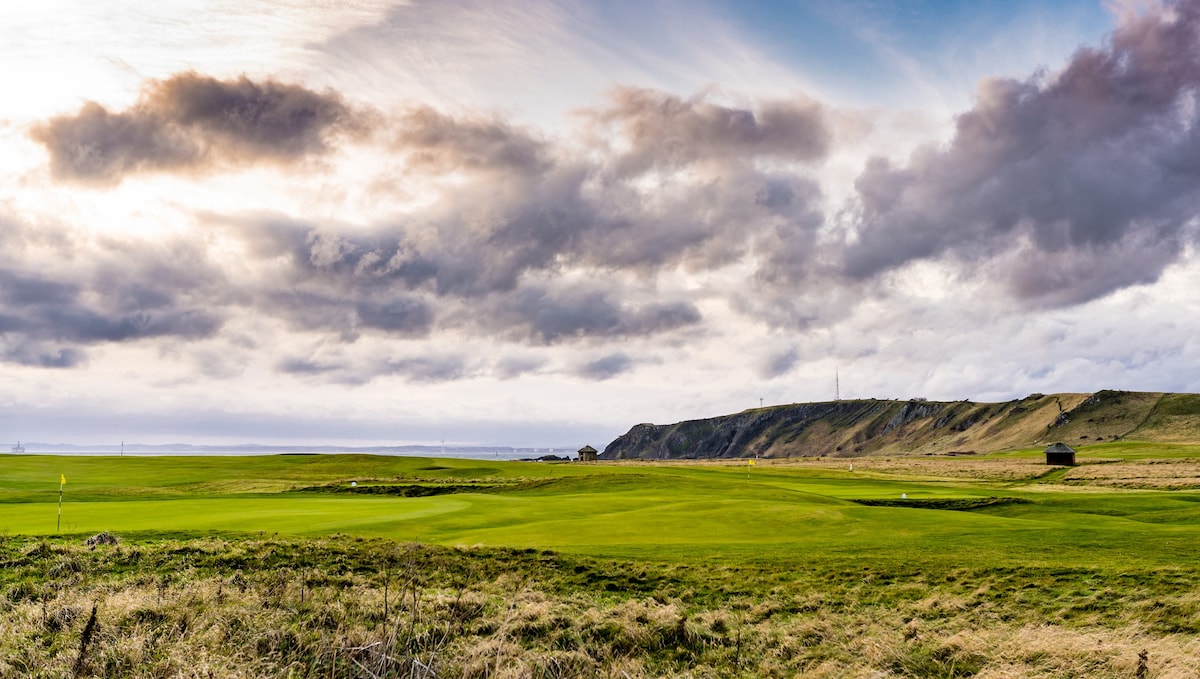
967,468
1165,474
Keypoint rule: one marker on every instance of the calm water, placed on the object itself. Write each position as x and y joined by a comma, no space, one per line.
198,451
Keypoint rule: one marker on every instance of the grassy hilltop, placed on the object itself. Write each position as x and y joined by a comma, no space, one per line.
907,566
872,427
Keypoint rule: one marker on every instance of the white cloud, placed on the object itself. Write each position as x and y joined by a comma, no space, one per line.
470,260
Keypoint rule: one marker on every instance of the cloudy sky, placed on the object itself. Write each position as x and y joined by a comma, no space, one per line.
539,223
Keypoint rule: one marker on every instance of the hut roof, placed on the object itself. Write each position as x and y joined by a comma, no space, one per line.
1060,447
587,449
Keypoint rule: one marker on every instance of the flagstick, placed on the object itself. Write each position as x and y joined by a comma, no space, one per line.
58,527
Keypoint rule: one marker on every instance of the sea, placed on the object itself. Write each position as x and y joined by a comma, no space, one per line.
179,450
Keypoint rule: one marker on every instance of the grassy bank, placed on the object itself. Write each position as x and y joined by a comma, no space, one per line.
233,606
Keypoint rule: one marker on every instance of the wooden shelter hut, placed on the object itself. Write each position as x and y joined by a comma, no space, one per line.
1060,454
587,454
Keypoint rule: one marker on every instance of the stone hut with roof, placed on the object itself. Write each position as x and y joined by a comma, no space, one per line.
1060,454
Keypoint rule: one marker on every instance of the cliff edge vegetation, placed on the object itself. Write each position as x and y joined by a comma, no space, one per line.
853,428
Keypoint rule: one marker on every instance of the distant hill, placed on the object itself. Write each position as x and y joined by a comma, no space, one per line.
872,427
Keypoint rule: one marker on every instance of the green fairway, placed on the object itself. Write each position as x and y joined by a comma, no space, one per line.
687,512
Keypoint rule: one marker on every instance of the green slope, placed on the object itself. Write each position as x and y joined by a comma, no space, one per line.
872,427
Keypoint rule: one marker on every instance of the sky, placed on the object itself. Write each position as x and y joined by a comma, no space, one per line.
539,223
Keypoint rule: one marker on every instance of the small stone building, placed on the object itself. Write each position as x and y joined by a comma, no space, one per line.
1060,454
587,454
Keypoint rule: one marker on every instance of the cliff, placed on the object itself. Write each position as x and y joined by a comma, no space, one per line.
873,427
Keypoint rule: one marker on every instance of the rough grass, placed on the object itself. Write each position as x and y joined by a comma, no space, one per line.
1001,469
344,607
1170,474
1174,419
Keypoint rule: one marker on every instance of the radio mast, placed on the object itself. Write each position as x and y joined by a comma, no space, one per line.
837,386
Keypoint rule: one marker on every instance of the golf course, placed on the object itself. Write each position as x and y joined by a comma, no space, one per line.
993,565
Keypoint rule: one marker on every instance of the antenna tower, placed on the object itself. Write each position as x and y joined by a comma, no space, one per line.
837,386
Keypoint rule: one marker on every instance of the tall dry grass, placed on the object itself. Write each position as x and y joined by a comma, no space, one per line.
1161,474
320,609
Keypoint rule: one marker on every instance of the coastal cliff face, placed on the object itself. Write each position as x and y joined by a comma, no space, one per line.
871,427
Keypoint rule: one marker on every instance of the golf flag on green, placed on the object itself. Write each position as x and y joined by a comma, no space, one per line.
62,481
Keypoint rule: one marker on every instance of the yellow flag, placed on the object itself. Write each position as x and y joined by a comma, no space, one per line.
750,462
62,480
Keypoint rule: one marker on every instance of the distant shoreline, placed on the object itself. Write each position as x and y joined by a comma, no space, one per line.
247,451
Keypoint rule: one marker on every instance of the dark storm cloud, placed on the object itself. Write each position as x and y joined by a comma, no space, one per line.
778,363
535,206
438,142
353,284
1088,272
606,367
34,332
52,310
23,290
549,316
85,325
303,366
267,119
404,315
511,367
113,293
191,122
525,208
664,130
429,369
348,312
1068,186
785,252
43,357
1090,174
497,253
97,146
